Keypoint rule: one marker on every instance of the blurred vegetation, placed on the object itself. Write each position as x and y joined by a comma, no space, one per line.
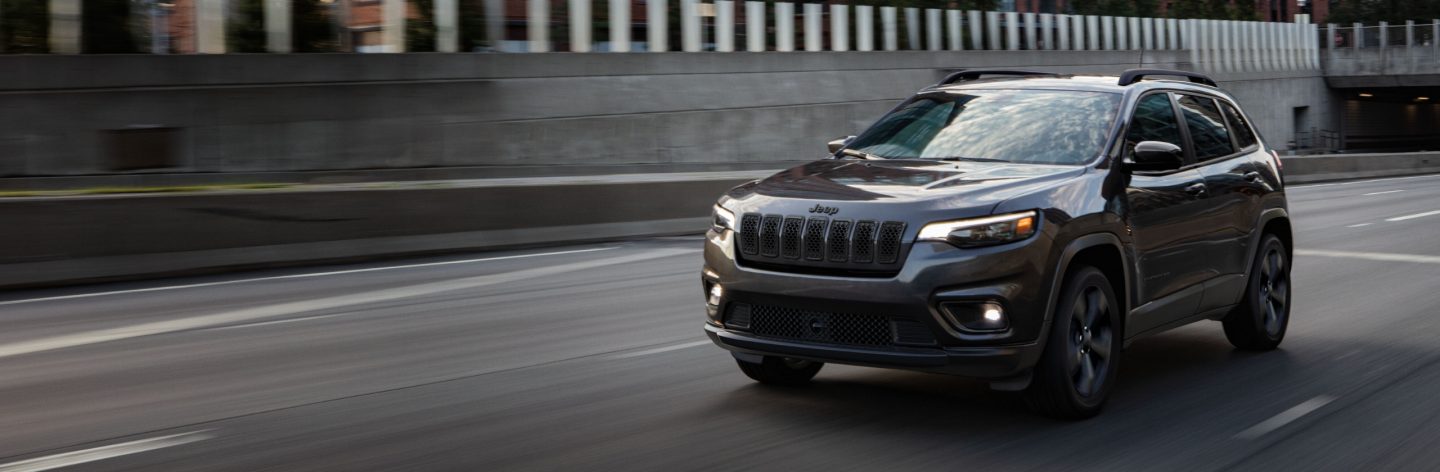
1371,12
245,28
420,26
24,26
105,27
313,27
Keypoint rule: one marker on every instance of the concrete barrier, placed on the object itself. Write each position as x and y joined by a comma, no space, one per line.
76,239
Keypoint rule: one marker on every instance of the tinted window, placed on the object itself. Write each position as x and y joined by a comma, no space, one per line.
1154,120
1243,134
1030,126
1207,128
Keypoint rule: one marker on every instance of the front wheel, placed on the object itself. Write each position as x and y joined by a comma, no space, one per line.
1259,323
781,370
1081,356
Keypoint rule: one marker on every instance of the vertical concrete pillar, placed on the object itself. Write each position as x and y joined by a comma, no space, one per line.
813,11
1012,31
1122,33
1062,32
1092,32
620,25
1160,31
495,23
953,30
912,28
976,28
1047,31
579,17
447,33
933,33
1077,27
839,27
690,25
209,26
784,26
657,29
65,26
992,31
277,25
724,25
1030,36
755,26
1136,37
889,29
864,28
1172,28
536,11
1409,33
1147,33
1107,33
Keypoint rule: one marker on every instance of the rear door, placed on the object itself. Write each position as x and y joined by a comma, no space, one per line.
1227,151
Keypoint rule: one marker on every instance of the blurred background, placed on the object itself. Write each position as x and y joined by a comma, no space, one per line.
464,234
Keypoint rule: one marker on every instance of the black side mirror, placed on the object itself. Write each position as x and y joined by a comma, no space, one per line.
1155,156
840,143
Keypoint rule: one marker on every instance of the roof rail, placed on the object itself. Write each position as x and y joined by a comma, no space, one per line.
964,75
1135,75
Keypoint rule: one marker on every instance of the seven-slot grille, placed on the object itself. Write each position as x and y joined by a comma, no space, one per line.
820,239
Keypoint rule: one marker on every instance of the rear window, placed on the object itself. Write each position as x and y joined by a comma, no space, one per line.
1207,128
1028,126
1244,136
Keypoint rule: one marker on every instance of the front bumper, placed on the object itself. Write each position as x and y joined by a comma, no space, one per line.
980,362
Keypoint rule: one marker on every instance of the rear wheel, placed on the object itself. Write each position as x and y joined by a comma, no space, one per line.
781,370
1078,367
1259,323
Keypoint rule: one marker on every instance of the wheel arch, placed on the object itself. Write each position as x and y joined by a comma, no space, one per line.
1103,251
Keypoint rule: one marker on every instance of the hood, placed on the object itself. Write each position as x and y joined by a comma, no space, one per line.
956,184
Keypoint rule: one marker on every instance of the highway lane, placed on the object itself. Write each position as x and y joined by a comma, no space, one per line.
589,357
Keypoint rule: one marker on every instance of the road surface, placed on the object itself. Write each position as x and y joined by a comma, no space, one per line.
593,358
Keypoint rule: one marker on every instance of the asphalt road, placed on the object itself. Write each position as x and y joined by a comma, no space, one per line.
592,357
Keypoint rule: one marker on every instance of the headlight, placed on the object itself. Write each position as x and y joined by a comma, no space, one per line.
722,219
990,230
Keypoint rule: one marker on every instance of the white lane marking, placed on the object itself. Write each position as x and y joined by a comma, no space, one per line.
104,452
1414,216
1360,225
1372,256
279,309
658,350
1285,417
1381,193
266,323
1354,182
297,276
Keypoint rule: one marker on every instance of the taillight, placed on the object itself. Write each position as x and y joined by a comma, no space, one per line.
1279,164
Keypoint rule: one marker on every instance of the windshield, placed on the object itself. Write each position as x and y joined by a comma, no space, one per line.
1029,126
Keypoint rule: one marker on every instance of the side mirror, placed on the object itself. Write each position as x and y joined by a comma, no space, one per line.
840,143
1155,156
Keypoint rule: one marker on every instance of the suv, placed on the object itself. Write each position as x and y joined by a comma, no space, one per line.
1016,226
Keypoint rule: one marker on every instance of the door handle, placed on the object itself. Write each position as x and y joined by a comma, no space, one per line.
1199,190
1252,176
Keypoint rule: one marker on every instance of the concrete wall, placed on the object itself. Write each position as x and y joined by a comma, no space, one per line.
278,113
1395,66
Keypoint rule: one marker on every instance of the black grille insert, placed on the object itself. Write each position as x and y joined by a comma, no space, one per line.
790,237
839,247
863,247
750,234
770,236
887,245
814,326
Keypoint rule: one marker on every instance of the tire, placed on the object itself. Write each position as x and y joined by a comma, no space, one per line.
1078,368
1259,323
782,371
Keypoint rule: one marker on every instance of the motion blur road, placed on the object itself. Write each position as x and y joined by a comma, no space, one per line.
593,357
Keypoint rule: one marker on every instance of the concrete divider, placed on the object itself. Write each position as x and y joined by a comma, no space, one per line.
75,239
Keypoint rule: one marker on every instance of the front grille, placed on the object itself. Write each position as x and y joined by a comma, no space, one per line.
825,327
822,242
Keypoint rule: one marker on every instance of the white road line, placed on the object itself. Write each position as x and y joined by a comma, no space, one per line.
266,323
1360,225
1372,256
1285,417
660,350
104,452
1381,193
326,303
1414,216
1354,182
297,276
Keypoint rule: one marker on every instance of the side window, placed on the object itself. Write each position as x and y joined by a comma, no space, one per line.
1154,120
1207,128
1243,134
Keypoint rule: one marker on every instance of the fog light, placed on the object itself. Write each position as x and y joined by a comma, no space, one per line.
975,317
715,293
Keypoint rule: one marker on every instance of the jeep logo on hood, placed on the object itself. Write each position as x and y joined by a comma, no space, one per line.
824,209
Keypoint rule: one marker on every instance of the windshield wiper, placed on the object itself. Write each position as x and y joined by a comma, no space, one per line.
860,154
975,159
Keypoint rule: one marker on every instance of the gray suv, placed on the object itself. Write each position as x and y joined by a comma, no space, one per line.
1016,226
